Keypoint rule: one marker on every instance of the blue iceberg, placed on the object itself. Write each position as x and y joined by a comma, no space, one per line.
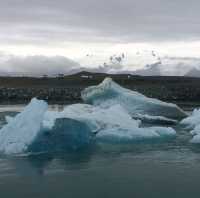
21,131
113,114
109,93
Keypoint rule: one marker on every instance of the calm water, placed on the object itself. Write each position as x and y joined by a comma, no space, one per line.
165,169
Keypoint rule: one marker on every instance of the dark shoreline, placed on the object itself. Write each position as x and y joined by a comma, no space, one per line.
20,90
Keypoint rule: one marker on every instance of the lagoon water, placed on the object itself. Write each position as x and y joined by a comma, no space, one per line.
153,169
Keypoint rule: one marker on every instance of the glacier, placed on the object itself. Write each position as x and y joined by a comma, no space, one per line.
108,93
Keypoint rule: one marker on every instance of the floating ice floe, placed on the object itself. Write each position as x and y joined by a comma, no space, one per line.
108,93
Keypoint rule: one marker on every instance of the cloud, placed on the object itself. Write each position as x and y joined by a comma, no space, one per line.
172,66
49,21
36,65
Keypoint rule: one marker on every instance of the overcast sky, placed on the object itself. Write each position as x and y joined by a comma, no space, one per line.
24,21
73,28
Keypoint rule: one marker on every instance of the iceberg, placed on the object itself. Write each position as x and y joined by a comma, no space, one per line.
108,93
192,122
36,129
67,134
110,124
95,117
20,132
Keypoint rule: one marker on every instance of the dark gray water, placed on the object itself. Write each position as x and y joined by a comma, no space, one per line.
160,169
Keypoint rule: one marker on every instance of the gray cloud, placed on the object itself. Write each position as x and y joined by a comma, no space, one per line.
36,65
50,21
172,66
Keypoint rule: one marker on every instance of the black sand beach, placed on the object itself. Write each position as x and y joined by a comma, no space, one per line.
64,90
